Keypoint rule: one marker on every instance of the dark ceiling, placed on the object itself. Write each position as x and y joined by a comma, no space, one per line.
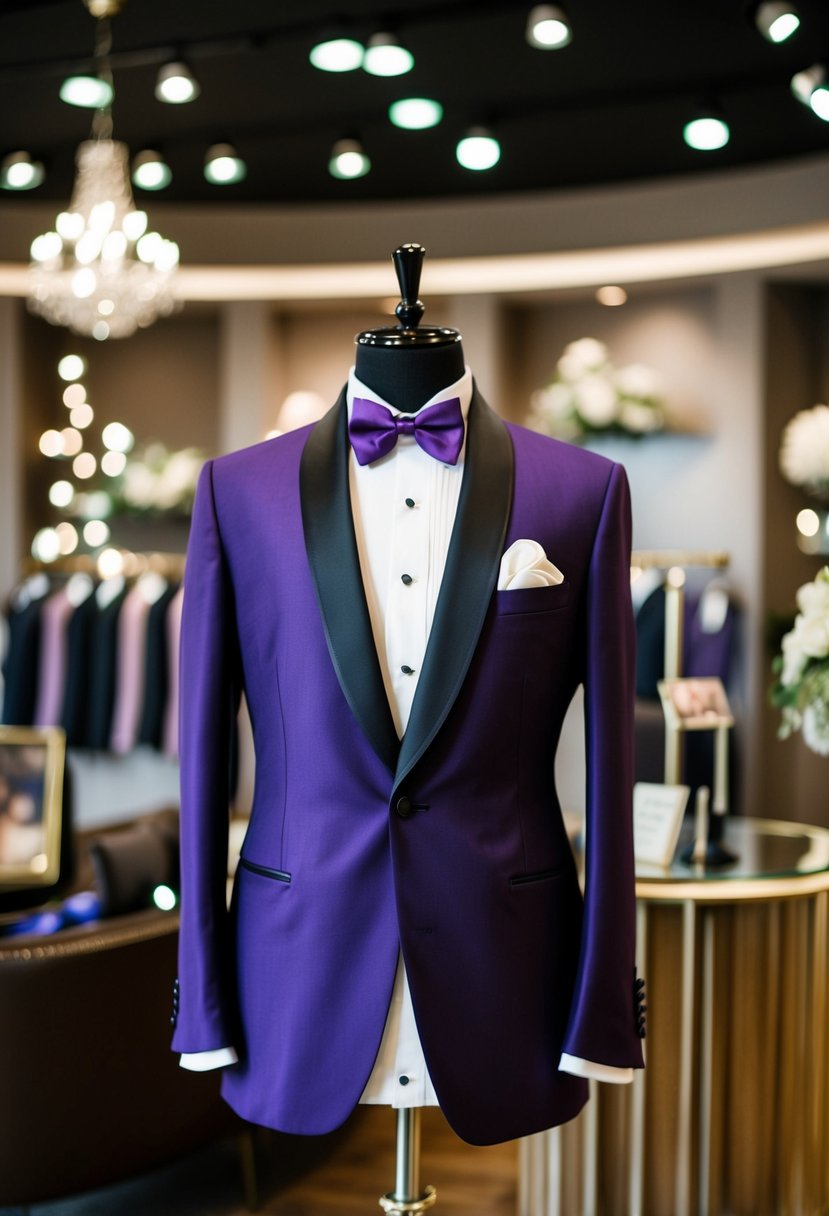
609,107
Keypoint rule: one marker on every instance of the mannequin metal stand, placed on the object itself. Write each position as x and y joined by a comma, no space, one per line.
407,365
407,1196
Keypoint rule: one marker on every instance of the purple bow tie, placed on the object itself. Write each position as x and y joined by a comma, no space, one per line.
438,429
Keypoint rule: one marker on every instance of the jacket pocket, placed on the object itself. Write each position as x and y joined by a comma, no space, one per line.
265,871
532,599
523,880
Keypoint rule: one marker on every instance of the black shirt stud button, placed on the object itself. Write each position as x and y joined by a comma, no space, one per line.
407,670
406,578
404,807
410,502
404,1080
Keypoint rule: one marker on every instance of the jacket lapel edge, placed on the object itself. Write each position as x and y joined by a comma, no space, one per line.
331,547
469,579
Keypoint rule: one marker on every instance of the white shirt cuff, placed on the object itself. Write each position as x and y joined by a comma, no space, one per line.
595,1072
203,1061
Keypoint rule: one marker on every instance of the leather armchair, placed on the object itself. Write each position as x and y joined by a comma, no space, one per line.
91,1093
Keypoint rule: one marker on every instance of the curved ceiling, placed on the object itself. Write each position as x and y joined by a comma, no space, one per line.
609,107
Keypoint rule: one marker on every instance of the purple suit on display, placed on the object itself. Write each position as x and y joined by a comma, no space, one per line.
449,845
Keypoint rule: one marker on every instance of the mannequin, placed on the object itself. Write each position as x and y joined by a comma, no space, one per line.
407,676
408,365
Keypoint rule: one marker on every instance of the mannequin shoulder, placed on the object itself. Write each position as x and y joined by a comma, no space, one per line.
275,456
532,449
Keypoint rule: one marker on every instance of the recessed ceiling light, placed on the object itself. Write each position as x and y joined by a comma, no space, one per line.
776,20
150,171
348,160
611,297
548,27
176,84
706,133
478,150
88,92
19,172
415,113
337,55
223,166
386,57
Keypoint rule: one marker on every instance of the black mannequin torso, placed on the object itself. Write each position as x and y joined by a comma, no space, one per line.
408,376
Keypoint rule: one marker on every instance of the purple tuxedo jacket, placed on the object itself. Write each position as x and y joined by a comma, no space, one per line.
448,845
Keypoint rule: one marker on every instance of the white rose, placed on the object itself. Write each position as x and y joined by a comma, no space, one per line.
815,727
814,636
554,402
582,356
813,598
596,400
794,658
640,418
639,381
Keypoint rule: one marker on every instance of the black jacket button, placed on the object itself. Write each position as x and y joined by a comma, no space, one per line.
404,807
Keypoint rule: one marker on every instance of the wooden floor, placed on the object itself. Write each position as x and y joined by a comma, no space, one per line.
339,1175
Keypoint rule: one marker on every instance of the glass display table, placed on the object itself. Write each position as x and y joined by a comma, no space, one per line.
731,1115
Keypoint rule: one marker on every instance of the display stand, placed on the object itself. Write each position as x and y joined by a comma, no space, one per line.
407,1196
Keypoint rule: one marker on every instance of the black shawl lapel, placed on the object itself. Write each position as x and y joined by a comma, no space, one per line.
335,565
470,577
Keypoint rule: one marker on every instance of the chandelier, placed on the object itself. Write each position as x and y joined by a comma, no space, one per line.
100,272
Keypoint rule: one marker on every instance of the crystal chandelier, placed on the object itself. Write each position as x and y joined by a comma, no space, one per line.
100,272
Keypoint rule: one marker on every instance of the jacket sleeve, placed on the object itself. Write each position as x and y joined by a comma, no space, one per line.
209,699
603,1024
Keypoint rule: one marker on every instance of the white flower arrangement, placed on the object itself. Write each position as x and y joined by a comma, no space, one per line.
801,690
157,481
804,451
588,395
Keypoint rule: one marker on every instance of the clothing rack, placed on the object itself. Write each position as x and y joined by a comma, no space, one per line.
169,565
74,659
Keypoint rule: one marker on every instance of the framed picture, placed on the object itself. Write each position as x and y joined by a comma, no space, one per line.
31,792
695,703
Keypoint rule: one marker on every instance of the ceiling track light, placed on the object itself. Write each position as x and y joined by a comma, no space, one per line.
223,166
86,92
548,27
415,113
348,160
776,20
176,84
150,171
337,53
478,150
707,130
19,172
384,56
811,87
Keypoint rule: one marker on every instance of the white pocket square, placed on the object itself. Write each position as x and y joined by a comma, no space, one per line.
525,564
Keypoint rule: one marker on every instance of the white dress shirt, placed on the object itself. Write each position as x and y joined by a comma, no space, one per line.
403,507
